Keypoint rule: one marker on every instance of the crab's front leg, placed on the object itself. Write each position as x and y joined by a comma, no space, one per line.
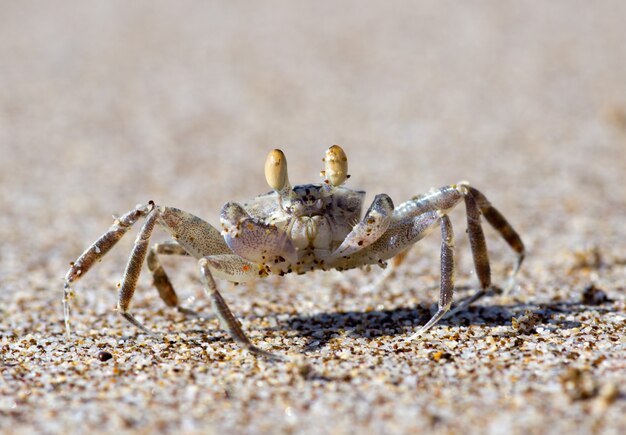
215,259
161,280
232,268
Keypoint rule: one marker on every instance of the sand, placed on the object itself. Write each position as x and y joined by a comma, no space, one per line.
107,105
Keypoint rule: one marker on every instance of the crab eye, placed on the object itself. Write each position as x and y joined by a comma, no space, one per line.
276,170
336,166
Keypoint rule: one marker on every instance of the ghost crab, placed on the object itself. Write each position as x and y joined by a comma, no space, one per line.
298,229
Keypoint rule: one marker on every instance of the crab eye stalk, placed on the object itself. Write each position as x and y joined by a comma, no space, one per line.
336,166
276,170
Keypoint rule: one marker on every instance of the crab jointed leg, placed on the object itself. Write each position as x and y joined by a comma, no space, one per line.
193,237
500,224
475,204
204,242
159,277
447,275
161,280
226,318
478,246
133,270
96,251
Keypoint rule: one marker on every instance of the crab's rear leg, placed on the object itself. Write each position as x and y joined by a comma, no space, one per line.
96,251
447,276
446,198
480,255
160,280
133,270
476,204
500,224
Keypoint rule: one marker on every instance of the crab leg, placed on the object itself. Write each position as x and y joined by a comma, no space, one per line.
160,279
447,197
185,228
216,259
478,246
194,237
415,218
447,276
500,224
96,251
226,318
133,270
442,199
475,204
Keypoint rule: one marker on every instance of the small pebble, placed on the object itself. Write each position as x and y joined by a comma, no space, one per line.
104,356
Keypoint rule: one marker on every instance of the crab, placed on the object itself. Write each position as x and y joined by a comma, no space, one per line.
298,229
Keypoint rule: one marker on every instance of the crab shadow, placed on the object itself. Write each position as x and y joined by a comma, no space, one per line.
320,328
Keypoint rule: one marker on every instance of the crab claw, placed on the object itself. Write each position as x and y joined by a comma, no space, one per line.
375,222
254,240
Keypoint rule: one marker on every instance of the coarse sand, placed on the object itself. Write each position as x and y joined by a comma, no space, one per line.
104,105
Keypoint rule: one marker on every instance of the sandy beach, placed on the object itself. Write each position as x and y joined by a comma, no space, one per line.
106,105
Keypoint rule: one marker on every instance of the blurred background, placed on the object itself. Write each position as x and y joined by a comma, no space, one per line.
104,105
107,104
